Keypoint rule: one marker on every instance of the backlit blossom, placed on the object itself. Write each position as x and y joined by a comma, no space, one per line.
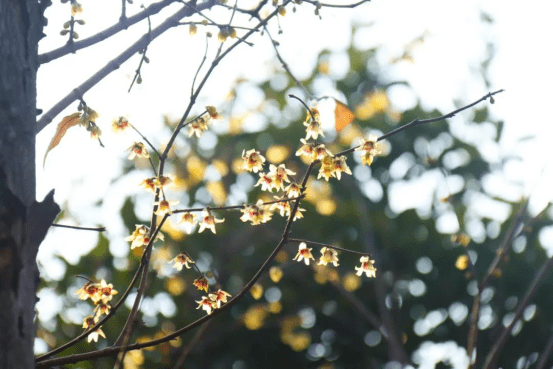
201,283
256,213
89,290
304,253
313,125
89,322
340,166
265,181
141,236
208,221
198,126
253,161
305,150
189,219
149,184
370,148
219,297
327,168
76,8
107,291
293,190
120,124
213,114
207,304
138,149
320,151
328,255
281,172
367,267
282,206
164,207
101,309
298,214
95,131
181,260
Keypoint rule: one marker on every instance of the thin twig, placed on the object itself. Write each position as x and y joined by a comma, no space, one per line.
99,229
144,58
319,244
236,207
417,122
500,342
103,35
545,354
186,350
113,65
304,104
146,140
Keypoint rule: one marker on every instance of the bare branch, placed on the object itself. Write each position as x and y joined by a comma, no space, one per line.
101,36
319,244
113,65
99,229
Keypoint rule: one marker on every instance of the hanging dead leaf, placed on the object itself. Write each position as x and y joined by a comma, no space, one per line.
344,116
66,123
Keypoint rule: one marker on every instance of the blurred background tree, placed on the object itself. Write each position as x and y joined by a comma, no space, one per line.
435,181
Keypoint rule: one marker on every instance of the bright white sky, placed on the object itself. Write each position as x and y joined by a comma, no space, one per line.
446,68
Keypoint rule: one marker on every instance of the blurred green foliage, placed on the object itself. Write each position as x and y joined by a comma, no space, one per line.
308,319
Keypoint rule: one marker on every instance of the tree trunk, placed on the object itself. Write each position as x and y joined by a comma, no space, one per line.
23,221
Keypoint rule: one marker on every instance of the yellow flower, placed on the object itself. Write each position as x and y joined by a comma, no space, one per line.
320,152
201,283
120,124
138,149
189,221
180,260
218,297
141,236
367,267
101,309
282,206
328,255
293,190
340,166
265,181
107,291
207,304
89,322
89,290
164,207
306,149
304,253
209,221
370,148
253,161
94,130
327,168
314,126
193,29
76,8
257,214
198,126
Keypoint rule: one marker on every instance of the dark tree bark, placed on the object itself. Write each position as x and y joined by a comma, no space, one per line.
23,221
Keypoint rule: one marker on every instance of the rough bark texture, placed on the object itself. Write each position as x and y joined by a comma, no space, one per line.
23,221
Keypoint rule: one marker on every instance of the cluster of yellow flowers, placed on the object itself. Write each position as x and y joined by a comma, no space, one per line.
329,255
201,124
101,295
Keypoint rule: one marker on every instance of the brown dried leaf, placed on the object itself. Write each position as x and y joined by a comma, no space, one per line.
344,116
66,123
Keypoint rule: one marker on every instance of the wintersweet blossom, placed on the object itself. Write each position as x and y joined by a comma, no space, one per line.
367,267
89,322
305,150
107,291
265,181
206,304
101,309
219,297
304,253
213,114
164,207
327,168
314,126
208,221
181,260
282,206
189,219
198,126
120,124
256,213
320,151
138,149
253,161
340,166
328,255
141,236
281,172
370,148
95,131
89,290
298,214
150,184
201,283
293,190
